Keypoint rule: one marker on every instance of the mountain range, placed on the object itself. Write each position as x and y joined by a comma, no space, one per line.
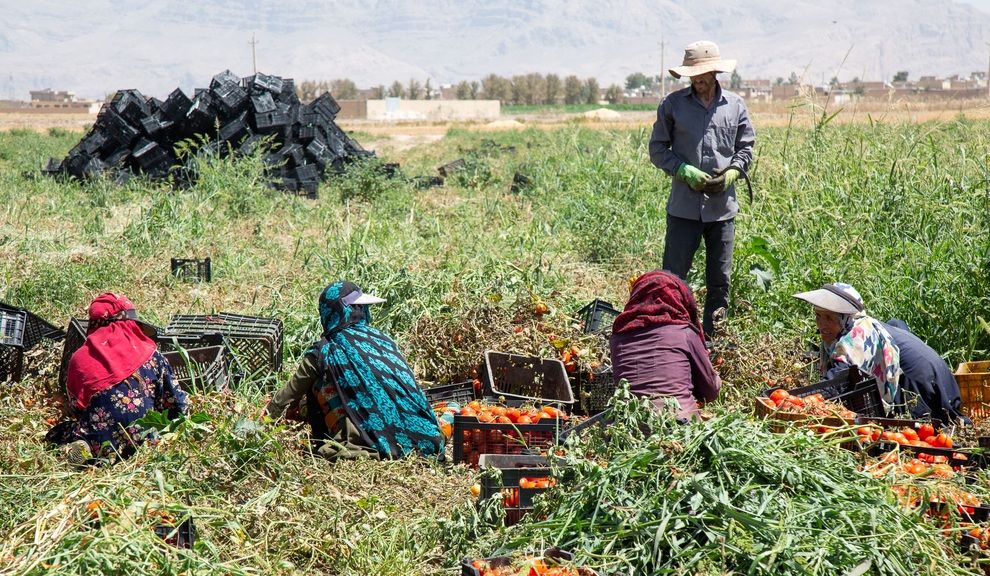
99,46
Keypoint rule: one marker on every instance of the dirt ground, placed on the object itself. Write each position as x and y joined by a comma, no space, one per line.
404,135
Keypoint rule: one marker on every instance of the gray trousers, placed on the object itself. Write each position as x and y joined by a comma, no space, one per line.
682,241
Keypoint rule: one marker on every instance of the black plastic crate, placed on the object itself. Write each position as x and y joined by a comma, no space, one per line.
131,105
20,330
262,103
192,269
897,423
235,130
448,169
212,368
325,107
35,327
597,317
75,335
12,323
272,84
255,341
176,105
460,392
850,387
554,554
593,390
527,379
517,500
425,182
955,457
181,536
472,438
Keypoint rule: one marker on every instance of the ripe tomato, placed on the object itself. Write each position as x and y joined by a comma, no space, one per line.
910,434
540,309
527,483
524,419
944,440
512,414
779,395
486,417
503,420
476,490
926,430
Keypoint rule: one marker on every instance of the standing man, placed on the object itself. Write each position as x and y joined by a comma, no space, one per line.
702,138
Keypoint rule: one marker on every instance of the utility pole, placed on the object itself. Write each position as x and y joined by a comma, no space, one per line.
663,73
254,54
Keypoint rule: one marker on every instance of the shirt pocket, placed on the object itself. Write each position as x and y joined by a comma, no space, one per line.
725,136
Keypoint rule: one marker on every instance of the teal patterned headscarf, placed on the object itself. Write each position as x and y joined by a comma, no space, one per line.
376,386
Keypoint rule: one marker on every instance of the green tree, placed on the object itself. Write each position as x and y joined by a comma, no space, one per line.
834,81
793,79
343,89
397,90
554,89
428,90
901,76
638,81
378,92
779,81
735,81
592,90
573,90
414,90
614,94
495,87
462,90
475,89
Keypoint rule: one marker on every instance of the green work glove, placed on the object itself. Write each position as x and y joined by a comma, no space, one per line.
695,178
730,178
721,181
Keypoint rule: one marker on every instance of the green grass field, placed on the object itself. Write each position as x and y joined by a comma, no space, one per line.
902,212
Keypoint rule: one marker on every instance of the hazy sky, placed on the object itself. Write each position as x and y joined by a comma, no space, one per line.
981,4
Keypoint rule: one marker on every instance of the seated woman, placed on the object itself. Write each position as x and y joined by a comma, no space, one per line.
928,386
852,338
657,344
114,379
362,399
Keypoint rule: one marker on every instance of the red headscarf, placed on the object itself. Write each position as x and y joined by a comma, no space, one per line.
115,348
659,298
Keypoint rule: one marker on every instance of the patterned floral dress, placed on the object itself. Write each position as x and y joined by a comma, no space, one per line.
108,423
866,344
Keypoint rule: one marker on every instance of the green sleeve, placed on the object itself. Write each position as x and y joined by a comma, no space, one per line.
307,373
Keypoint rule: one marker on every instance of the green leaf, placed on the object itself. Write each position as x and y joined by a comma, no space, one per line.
153,420
763,277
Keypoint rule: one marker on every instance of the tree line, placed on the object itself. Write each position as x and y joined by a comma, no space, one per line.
522,89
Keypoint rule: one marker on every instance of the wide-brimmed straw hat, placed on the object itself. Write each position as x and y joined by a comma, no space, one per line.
839,298
701,57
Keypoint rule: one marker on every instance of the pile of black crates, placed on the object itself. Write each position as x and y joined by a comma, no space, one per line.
137,134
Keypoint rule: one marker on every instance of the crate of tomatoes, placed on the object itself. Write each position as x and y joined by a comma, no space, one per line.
486,428
831,403
519,479
552,562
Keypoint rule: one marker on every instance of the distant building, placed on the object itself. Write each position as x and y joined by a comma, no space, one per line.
49,100
49,95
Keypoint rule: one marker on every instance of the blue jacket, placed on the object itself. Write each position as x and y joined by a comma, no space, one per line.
928,385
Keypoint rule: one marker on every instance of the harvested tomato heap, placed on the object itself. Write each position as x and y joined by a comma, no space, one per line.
923,435
812,405
529,567
510,496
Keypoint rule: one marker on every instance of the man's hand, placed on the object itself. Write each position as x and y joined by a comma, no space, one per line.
721,182
694,177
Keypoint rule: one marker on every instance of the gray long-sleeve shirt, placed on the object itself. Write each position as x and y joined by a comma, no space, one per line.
708,139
